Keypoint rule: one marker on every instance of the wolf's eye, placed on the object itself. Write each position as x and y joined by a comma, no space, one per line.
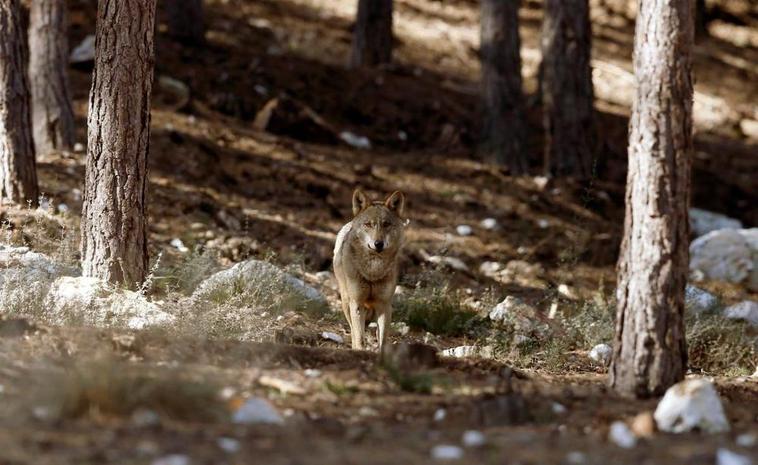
386,224
367,224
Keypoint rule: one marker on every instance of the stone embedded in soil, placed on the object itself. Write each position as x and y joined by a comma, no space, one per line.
451,262
746,310
468,351
558,409
727,457
464,230
173,459
473,438
489,224
691,404
703,221
440,414
354,140
447,452
256,410
228,445
490,268
602,354
334,337
621,435
747,440
698,301
729,255
85,51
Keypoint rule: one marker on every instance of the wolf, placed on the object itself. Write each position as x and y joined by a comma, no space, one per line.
365,263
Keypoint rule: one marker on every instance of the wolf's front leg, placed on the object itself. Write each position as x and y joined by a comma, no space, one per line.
358,325
383,320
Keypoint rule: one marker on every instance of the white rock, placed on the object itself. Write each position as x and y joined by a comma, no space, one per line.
85,51
312,372
354,140
703,221
173,459
402,135
333,337
490,268
558,409
464,230
602,354
689,404
727,457
747,440
78,147
401,328
726,255
473,438
179,245
95,302
465,351
576,458
62,208
543,223
698,301
621,435
251,273
746,310
228,445
256,410
440,414
452,262
567,291
447,452
489,224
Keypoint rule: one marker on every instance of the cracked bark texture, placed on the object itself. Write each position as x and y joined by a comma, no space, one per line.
52,116
186,21
650,349
503,127
114,242
18,171
566,88
372,37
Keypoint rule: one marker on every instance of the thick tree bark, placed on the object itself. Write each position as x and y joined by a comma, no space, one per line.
372,38
114,242
52,116
650,350
18,172
186,21
566,88
504,130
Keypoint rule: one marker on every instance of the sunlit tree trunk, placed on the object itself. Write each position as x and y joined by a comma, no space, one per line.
18,172
650,349
114,241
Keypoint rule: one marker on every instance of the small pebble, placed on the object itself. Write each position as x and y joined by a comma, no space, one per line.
576,458
463,230
228,445
727,457
173,459
747,440
440,414
559,409
447,452
621,435
332,337
473,438
489,224
312,372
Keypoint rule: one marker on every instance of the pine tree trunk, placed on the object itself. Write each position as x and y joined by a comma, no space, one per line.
372,38
114,242
650,350
18,171
504,130
186,21
566,87
52,116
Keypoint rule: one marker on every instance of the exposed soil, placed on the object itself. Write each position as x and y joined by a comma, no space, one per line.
221,183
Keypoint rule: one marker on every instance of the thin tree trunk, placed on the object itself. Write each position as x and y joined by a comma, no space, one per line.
52,116
504,130
372,38
18,171
566,87
186,21
114,241
650,349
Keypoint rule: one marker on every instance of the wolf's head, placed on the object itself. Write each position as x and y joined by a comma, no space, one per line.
379,225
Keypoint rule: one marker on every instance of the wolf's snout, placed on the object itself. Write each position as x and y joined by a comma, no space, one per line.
379,245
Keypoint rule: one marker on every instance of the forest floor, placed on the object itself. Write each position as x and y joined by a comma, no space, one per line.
230,190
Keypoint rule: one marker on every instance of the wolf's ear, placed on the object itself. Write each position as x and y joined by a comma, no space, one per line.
360,201
395,202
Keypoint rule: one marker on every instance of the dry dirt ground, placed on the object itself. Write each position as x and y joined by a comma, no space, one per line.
220,183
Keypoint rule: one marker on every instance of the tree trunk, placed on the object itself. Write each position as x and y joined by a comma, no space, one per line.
372,38
186,21
52,116
114,242
650,350
18,171
504,130
566,88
